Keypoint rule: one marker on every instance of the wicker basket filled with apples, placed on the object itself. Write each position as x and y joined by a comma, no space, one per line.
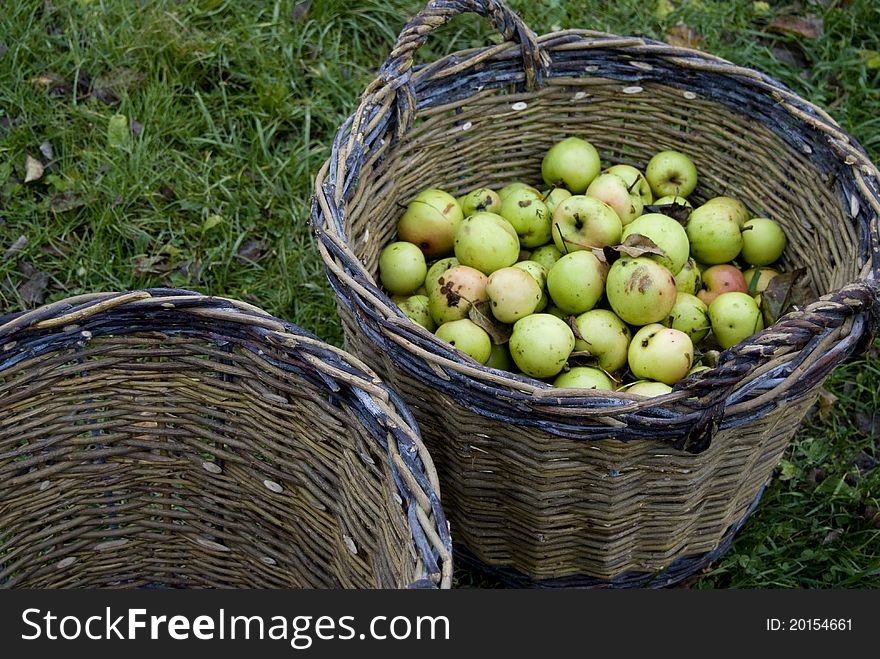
602,280
534,303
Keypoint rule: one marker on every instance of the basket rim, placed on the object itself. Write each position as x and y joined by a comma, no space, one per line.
851,311
76,320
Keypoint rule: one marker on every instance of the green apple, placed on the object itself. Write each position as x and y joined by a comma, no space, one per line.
734,317
635,181
481,199
515,186
500,358
553,310
581,222
487,242
605,336
572,163
546,255
528,215
513,293
584,377
454,293
690,315
719,279
727,208
437,269
539,272
429,222
402,268
612,189
667,234
687,280
553,197
763,241
672,199
640,291
660,353
671,173
540,345
467,336
576,282
648,388
759,278
415,308
714,236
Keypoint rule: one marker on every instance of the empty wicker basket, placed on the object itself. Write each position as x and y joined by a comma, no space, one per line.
162,438
565,487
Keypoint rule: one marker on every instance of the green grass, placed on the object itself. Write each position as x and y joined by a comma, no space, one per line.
238,103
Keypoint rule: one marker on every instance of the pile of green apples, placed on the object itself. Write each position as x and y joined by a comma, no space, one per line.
607,279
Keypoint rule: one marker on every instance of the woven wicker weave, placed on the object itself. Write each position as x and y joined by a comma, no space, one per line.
168,439
566,487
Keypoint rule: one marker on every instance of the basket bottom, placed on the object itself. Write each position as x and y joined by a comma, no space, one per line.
678,570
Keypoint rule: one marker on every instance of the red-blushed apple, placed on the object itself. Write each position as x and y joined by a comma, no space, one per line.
660,353
571,163
640,291
539,272
454,292
429,222
541,344
438,268
720,279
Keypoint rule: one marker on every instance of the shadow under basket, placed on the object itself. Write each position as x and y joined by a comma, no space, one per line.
162,438
547,486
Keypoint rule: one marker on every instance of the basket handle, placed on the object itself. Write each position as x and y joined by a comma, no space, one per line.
805,330
396,72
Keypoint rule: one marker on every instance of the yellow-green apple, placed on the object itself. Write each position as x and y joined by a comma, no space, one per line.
660,353
763,241
546,255
714,236
513,293
487,242
481,199
571,163
667,234
605,336
688,279
402,268
539,272
584,377
415,308
759,278
734,317
576,282
540,344
612,189
671,173
429,222
690,315
582,222
635,181
647,388
528,215
437,269
672,199
640,291
553,197
513,187
467,336
500,358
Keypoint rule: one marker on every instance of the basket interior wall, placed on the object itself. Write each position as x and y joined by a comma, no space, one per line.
493,138
178,462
